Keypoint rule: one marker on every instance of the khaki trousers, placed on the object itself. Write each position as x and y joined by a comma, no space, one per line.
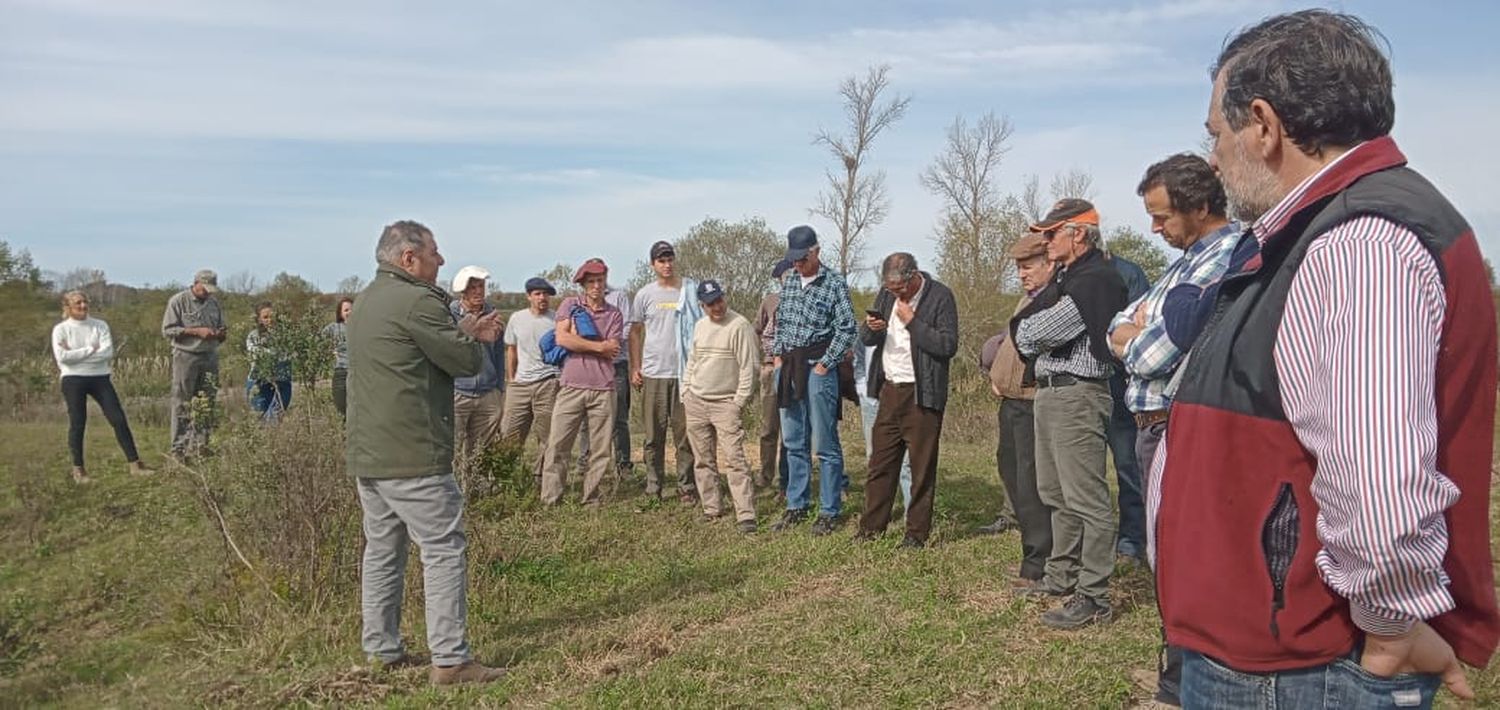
573,407
1072,425
714,428
661,408
476,423
528,405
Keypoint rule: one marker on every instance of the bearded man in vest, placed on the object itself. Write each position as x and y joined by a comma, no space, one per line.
1321,501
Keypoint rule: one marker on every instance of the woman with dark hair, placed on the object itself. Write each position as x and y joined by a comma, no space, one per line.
269,384
337,336
84,352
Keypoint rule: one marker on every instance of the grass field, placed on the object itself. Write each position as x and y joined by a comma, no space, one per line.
124,593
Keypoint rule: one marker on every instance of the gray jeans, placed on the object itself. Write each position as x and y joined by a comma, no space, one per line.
1072,424
429,511
192,374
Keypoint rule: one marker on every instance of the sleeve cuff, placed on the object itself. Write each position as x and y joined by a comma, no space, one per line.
1379,621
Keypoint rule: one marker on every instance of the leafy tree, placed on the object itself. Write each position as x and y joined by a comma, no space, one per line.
1134,246
561,278
739,255
16,267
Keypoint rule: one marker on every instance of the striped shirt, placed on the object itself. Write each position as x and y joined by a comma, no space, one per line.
1151,357
1356,356
1042,334
815,312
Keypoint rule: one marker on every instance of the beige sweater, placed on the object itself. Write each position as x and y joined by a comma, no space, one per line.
724,361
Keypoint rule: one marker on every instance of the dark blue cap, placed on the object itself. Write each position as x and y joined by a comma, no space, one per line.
537,283
799,241
710,291
780,268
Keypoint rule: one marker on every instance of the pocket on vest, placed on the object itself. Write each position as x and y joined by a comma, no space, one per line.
1278,542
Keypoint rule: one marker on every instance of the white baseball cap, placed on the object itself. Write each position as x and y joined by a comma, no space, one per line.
461,281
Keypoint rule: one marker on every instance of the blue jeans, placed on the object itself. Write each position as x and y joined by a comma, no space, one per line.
868,408
1132,530
1206,683
806,424
269,399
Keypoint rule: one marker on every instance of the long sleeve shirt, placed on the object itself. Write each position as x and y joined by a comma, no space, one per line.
724,360
1356,356
813,312
184,310
82,347
1043,332
1151,356
491,375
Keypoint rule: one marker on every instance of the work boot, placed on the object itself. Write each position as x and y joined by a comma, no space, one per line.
746,527
466,672
1078,612
825,524
789,519
1039,589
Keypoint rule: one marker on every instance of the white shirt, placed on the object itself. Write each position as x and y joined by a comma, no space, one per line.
74,346
896,358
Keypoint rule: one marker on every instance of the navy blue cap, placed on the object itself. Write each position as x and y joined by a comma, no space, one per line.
710,291
799,241
780,268
537,283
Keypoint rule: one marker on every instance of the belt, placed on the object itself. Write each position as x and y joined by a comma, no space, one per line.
1145,419
1061,380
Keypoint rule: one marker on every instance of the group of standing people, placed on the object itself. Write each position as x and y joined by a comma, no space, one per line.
1300,409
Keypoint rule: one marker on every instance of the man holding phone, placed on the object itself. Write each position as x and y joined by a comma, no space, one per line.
194,322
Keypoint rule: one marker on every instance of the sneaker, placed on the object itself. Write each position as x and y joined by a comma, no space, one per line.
139,468
789,519
746,527
466,672
825,524
80,475
1078,612
1002,524
1039,589
911,543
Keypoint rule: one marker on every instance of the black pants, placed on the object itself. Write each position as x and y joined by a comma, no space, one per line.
341,390
1016,458
76,390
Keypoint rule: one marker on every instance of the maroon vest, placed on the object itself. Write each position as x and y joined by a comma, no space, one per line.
1236,533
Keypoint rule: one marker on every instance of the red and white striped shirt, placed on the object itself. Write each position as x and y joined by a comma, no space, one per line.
1356,355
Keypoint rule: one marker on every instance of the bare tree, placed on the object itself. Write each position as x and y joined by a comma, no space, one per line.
1074,183
855,199
241,282
350,285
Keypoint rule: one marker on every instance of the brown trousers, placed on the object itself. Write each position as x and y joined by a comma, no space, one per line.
573,407
529,405
715,430
770,427
902,427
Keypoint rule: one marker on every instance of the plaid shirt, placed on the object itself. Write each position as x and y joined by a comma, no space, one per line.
1151,357
1044,333
818,311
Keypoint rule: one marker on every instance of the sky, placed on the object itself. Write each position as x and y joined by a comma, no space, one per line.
150,138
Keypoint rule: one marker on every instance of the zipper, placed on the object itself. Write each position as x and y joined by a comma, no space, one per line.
1278,541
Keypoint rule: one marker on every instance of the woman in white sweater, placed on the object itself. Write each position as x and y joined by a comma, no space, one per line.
84,351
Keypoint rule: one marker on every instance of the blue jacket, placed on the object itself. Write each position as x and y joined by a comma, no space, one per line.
492,375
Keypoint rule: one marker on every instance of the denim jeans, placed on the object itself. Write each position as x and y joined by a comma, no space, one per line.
269,399
1132,531
811,426
868,408
1207,683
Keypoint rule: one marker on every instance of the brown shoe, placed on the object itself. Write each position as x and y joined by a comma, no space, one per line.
139,468
80,475
466,672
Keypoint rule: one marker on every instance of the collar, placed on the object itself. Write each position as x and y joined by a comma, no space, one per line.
1361,160
390,270
1207,241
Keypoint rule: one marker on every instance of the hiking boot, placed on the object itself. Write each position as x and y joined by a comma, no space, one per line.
1002,524
139,468
1039,589
746,527
825,524
466,672
1078,612
789,519
80,475
911,543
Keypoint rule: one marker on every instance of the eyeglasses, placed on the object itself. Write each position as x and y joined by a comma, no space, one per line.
1050,234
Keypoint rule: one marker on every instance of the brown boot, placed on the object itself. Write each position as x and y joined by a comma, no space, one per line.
139,468
81,476
466,672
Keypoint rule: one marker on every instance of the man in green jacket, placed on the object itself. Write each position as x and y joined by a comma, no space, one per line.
405,348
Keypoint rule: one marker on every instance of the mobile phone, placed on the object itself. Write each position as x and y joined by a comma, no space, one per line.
871,312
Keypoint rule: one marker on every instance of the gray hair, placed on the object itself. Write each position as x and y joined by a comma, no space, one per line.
398,237
898,265
1091,235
